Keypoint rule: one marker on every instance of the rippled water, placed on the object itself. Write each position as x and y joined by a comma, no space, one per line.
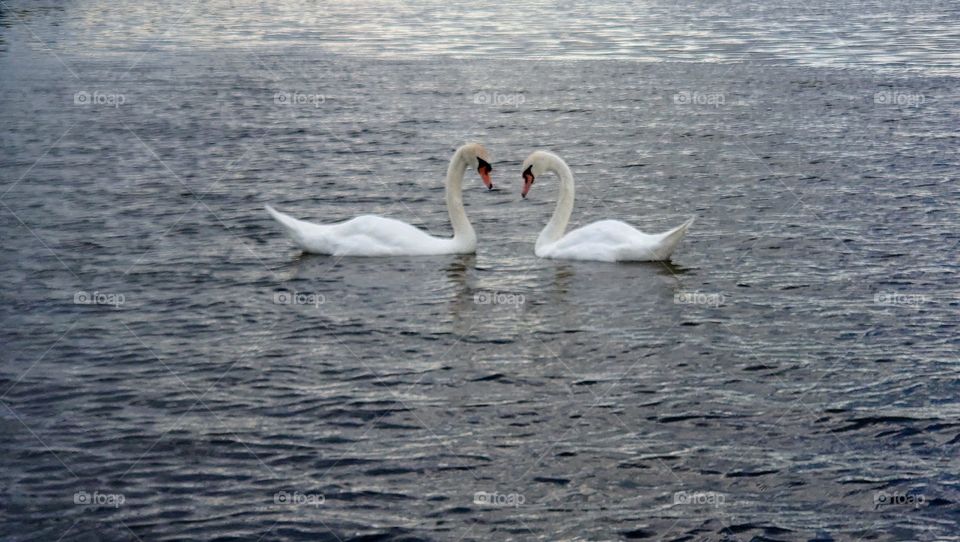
791,375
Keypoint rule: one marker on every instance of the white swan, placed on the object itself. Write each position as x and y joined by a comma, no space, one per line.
606,240
370,235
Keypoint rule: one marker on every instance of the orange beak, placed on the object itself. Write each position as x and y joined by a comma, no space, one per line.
485,176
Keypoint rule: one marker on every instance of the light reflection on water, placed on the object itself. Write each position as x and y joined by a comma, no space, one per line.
917,35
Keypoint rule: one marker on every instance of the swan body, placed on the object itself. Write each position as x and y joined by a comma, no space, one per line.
606,240
371,235
367,235
614,241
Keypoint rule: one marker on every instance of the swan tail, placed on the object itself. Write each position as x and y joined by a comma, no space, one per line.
672,238
288,222
292,226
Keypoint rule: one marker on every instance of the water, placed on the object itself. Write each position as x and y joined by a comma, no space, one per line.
790,375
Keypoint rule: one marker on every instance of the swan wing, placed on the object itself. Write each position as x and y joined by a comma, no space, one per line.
371,235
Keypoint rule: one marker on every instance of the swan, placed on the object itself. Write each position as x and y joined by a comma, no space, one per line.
606,240
371,235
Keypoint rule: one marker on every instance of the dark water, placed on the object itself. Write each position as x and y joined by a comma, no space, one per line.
791,375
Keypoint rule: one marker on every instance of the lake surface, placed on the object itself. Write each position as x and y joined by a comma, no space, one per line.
173,369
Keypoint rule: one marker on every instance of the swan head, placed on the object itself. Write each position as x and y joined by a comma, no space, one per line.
476,156
534,166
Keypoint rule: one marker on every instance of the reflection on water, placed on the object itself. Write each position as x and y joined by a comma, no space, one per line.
562,278
668,269
462,297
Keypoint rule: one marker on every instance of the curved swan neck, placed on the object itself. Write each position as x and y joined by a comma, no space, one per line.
462,229
554,229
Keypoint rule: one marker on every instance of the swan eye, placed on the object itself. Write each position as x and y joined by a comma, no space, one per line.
484,165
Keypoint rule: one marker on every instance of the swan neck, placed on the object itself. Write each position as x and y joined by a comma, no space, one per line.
554,229
462,229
